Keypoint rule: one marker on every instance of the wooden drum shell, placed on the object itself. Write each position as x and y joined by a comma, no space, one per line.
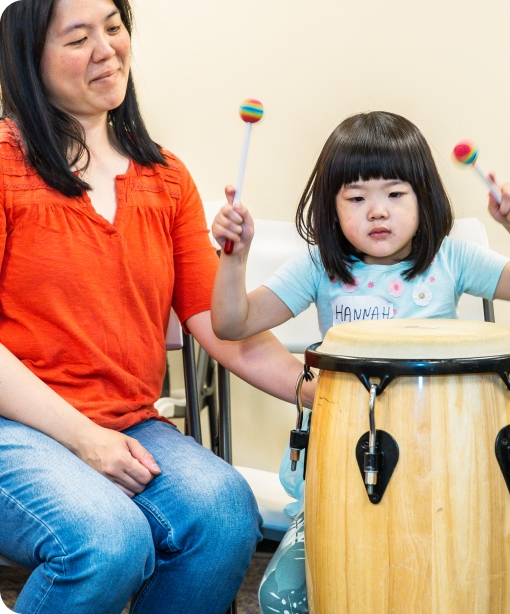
437,543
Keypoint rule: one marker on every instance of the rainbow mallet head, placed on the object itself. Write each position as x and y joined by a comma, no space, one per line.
251,110
465,153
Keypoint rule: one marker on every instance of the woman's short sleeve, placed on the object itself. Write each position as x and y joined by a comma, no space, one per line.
3,225
195,259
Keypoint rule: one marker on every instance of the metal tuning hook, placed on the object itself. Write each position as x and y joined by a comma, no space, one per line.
371,465
299,437
376,454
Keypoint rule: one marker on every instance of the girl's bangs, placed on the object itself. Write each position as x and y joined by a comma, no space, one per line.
388,160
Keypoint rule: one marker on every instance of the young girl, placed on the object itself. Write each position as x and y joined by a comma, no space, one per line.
376,218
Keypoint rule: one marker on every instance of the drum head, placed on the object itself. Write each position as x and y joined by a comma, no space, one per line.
415,339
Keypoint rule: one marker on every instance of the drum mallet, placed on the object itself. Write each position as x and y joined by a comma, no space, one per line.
466,154
251,111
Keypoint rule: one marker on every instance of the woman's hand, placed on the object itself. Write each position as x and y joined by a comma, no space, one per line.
501,211
233,222
121,459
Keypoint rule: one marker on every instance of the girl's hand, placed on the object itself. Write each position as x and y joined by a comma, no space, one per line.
501,212
121,459
233,222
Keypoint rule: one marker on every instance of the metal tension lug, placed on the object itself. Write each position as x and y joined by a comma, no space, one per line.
299,437
298,442
372,462
502,449
377,467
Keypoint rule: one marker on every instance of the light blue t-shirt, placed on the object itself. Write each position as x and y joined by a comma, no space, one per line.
381,292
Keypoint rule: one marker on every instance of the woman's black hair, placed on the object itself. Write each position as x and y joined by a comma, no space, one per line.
366,146
47,133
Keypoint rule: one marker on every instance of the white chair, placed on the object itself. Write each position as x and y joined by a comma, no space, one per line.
471,307
173,405
273,244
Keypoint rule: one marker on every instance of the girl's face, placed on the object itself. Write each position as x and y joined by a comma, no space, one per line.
86,58
379,218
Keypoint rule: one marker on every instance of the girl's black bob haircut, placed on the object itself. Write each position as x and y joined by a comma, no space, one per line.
48,134
366,146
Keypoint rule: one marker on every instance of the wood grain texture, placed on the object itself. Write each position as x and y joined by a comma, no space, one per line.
438,543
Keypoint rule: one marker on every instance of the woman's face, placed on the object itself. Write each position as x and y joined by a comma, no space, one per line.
86,58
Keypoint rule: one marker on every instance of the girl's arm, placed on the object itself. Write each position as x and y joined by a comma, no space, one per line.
501,213
26,399
503,287
236,314
260,360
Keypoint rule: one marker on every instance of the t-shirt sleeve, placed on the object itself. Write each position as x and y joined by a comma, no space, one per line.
195,259
475,268
296,282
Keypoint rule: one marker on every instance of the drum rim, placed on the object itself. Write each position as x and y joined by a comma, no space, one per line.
387,369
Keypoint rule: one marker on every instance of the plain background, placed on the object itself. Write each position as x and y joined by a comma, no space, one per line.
443,64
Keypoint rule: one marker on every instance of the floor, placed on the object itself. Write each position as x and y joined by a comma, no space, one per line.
12,581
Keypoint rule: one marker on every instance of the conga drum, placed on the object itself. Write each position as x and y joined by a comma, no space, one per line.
407,502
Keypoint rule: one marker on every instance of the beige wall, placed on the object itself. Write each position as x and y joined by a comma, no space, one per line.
444,64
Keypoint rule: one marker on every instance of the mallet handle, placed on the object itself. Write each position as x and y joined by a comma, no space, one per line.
229,245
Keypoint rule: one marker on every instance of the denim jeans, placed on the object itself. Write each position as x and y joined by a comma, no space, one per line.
181,546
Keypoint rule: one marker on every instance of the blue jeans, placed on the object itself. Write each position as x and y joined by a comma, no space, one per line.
181,546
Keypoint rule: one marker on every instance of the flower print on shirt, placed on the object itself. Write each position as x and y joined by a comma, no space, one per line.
422,296
370,284
396,287
351,287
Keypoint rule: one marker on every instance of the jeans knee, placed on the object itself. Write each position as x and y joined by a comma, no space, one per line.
130,548
118,547
247,517
236,513
220,509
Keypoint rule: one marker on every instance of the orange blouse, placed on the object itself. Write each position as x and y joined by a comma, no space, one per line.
84,304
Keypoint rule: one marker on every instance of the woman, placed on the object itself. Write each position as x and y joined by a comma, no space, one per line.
101,231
